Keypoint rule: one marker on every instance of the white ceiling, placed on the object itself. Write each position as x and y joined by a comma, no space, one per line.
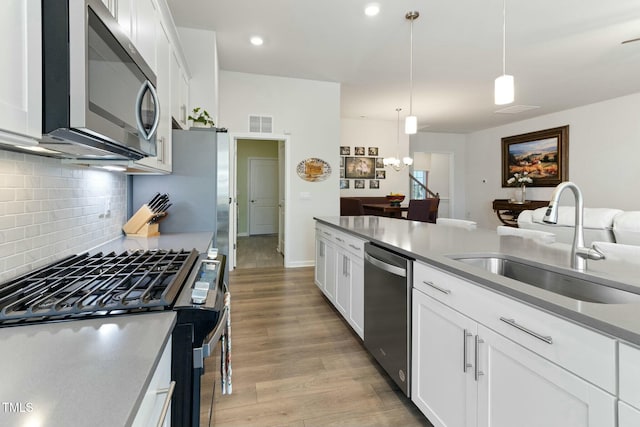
562,53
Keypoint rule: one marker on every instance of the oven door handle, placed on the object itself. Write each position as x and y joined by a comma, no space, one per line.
201,353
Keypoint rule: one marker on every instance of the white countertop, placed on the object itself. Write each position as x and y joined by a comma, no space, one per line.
81,372
437,244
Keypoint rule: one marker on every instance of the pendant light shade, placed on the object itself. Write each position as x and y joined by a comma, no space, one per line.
394,162
411,125
411,122
504,92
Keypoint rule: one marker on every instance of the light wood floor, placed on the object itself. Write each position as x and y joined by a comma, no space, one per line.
296,363
258,251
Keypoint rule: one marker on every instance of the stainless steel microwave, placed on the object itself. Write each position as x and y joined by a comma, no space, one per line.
99,97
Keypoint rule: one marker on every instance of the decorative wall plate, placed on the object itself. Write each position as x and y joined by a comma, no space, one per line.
313,169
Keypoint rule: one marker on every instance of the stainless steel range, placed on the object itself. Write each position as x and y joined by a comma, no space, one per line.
137,282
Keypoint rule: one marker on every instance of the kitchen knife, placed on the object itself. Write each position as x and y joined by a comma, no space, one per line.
153,200
161,200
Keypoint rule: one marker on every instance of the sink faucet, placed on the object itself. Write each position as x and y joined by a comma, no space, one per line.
579,253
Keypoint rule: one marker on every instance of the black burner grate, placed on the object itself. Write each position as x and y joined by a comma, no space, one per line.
100,283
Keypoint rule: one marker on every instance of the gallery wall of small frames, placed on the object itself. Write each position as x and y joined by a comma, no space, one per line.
359,165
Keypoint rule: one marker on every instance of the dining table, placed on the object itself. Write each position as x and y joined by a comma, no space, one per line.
384,209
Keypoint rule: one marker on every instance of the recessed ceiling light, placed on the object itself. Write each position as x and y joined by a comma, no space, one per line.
372,9
256,41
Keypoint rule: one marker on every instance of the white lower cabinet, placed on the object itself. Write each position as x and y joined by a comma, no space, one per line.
628,416
339,273
443,385
466,374
150,409
520,388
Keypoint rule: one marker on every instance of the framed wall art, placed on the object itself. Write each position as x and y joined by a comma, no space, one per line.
345,151
358,151
372,151
360,167
543,155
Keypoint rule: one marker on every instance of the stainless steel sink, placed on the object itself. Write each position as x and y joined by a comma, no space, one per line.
578,288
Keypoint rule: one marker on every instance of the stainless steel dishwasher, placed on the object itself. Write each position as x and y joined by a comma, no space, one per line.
387,312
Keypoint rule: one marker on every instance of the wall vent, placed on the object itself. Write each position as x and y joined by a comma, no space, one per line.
261,124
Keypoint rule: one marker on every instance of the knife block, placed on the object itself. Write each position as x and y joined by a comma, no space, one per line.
139,224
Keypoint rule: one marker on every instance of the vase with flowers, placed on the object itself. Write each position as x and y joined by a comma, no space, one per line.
520,180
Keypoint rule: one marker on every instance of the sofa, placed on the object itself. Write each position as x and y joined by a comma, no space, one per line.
600,225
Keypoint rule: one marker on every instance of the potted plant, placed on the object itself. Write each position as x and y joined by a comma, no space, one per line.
201,118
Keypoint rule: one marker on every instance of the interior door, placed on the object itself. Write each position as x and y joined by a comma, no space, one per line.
263,196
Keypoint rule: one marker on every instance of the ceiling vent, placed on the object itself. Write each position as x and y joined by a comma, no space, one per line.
261,124
515,109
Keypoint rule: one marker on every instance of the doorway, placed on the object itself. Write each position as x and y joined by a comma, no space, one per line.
258,194
439,173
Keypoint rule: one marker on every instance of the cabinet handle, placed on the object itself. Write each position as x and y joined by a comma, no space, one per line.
477,371
357,248
512,322
183,111
436,287
322,249
161,150
167,402
465,365
326,234
339,240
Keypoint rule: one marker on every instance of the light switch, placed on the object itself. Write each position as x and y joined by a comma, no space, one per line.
305,195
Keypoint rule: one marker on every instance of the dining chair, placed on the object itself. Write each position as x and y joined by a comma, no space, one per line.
422,210
541,236
351,207
460,223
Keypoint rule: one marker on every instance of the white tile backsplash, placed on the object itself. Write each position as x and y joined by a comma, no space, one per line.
49,210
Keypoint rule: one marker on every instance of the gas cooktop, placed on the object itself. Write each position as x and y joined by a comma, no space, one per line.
86,284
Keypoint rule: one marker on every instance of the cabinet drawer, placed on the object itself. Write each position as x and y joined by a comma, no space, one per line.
587,353
348,242
151,406
630,374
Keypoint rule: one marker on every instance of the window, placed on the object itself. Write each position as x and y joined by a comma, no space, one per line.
417,190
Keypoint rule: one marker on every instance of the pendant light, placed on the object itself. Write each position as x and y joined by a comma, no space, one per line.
411,121
394,162
503,90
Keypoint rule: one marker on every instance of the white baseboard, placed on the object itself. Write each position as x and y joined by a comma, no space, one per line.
299,264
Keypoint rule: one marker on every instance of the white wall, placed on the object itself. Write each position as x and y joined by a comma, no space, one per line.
308,111
49,211
604,149
200,51
384,135
431,142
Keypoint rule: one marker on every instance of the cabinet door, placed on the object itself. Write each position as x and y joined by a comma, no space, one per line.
628,416
124,14
443,385
178,108
21,64
150,408
331,272
343,282
520,388
144,30
321,262
162,160
356,302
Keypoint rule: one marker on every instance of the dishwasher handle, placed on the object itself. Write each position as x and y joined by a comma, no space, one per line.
393,269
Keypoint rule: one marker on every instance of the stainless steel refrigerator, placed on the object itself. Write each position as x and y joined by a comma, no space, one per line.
198,187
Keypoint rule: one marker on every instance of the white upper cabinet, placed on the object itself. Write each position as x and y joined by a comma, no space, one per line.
179,93
144,30
21,64
162,161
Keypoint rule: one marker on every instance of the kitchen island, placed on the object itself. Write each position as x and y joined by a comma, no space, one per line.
489,350
439,245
